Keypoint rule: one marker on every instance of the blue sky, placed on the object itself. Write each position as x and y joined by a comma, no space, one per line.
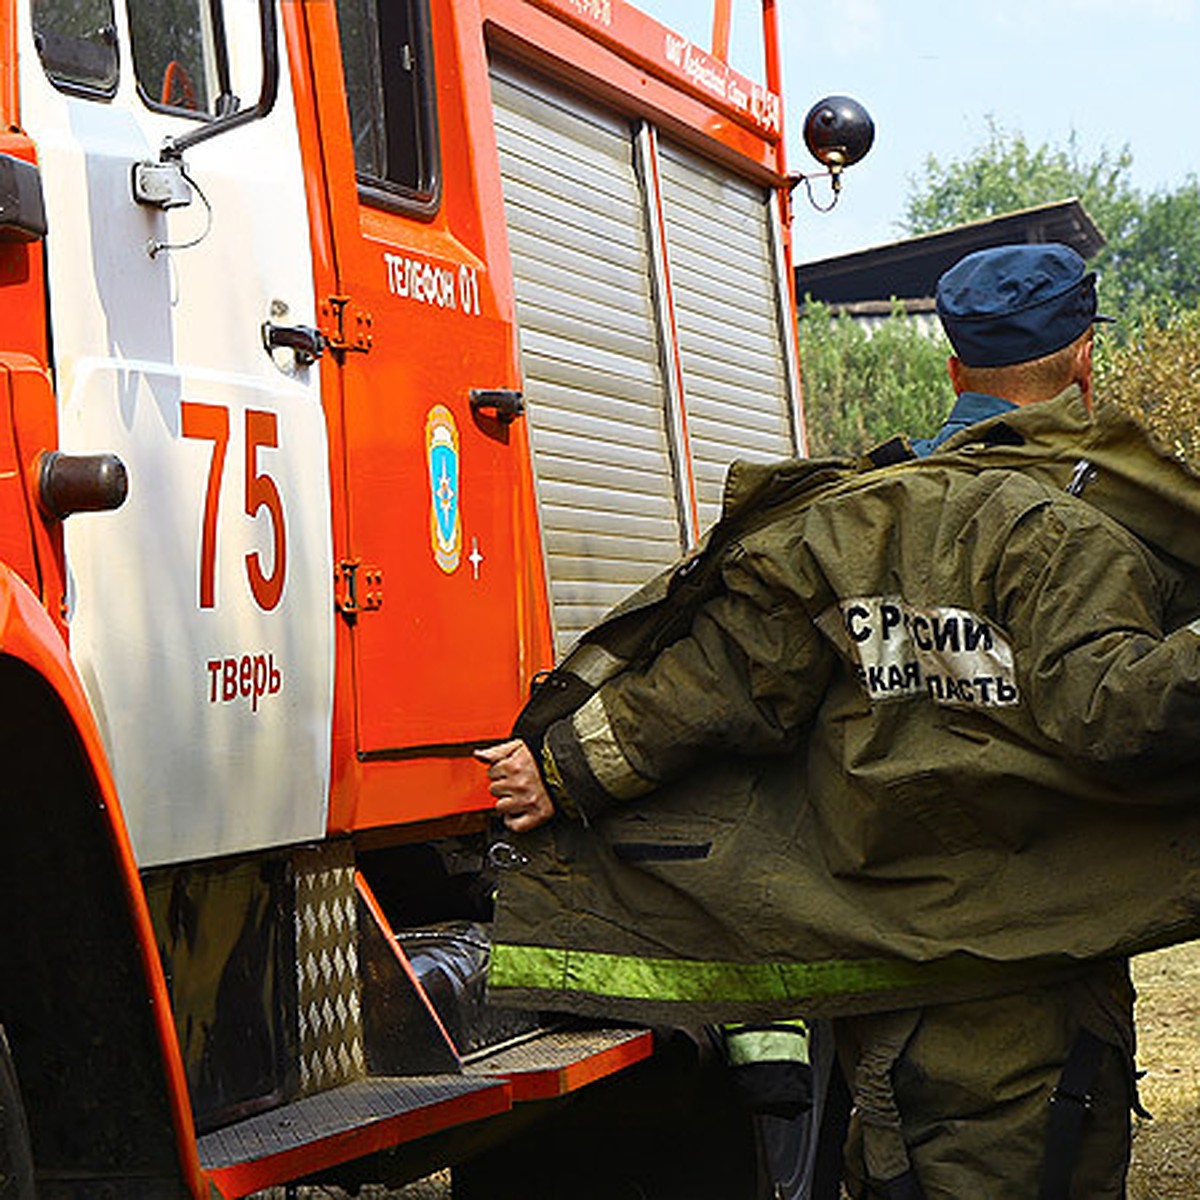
1116,73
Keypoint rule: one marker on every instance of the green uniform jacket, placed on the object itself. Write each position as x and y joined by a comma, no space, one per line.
914,733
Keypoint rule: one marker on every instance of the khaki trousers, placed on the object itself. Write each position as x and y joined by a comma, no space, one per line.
956,1097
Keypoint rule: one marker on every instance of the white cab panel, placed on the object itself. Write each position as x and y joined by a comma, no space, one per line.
201,612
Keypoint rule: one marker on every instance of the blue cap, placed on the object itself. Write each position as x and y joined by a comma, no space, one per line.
1011,304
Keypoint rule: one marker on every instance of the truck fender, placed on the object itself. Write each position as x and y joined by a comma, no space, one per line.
83,997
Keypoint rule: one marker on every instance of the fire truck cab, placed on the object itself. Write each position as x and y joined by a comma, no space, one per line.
356,356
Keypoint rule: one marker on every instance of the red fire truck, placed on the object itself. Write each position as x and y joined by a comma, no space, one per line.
356,355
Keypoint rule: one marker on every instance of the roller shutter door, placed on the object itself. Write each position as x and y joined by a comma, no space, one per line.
737,377
590,352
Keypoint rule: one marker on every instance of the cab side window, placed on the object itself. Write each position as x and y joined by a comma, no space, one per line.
179,55
387,61
77,43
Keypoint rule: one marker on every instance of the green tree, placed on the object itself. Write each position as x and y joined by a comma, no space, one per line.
1158,262
862,385
1152,255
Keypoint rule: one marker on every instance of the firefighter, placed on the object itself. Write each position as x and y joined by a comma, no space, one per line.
1004,359
910,747
1020,319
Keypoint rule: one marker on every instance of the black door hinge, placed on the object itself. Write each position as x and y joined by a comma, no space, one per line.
346,327
356,588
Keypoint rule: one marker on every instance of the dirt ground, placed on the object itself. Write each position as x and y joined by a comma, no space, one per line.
1166,1150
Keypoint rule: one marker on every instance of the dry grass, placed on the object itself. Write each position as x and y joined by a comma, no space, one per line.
1157,374
1166,1150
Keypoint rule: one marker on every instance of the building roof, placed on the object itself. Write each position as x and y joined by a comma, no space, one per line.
909,269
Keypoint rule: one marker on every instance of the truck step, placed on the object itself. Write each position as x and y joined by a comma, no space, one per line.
558,1061
359,1118
373,1114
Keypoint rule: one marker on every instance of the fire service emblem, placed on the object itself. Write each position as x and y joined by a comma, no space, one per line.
445,519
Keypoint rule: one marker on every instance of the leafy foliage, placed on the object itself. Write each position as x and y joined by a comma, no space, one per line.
1006,173
1153,242
1158,262
862,386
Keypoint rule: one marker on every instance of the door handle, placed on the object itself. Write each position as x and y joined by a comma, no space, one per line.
305,342
504,404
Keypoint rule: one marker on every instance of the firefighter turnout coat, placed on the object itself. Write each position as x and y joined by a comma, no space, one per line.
895,735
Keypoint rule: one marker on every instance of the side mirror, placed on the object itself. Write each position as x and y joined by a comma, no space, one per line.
266,97
164,184
838,132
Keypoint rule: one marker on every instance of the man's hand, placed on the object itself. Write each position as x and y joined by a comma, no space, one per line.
521,796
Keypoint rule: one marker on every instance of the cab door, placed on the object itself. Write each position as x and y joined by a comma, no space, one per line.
200,610
426,556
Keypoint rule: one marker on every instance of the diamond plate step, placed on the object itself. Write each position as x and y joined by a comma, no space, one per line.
348,1122
563,1060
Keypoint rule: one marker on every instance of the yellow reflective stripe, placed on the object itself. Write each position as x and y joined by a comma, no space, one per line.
767,1045
527,963
796,1025
603,753
622,976
593,664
